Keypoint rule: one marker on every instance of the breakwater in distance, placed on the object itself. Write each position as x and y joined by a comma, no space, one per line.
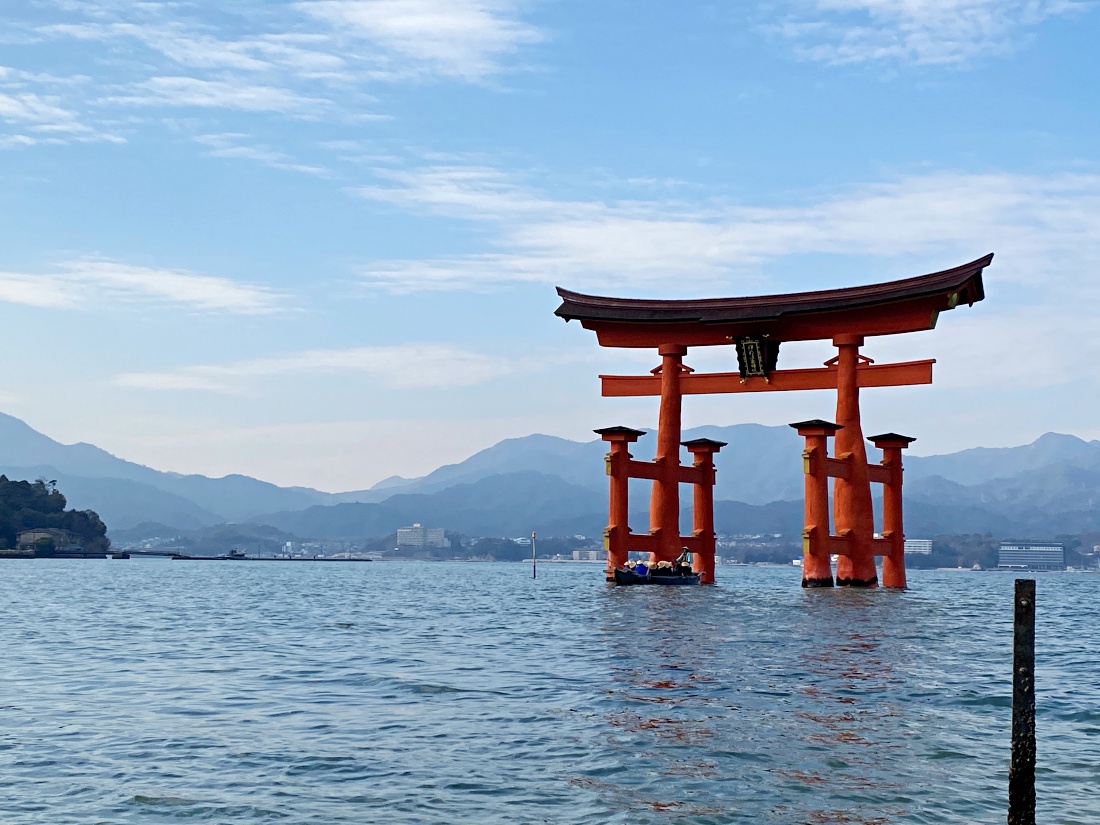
414,692
232,557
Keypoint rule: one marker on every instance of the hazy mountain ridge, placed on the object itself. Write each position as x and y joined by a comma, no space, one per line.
557,486
125,493
980,464
768,462
509,504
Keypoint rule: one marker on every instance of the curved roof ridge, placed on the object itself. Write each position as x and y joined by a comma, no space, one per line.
964,280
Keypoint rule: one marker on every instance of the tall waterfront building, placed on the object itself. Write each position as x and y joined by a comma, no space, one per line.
1032,555
922,547
420,537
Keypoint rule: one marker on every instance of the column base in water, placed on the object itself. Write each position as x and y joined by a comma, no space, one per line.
822,582
871,582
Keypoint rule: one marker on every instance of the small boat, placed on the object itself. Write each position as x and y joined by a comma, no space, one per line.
642,574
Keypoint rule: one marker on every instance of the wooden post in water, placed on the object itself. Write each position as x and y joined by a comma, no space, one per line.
1021,771
534,562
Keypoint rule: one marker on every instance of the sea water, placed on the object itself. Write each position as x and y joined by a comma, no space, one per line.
155,691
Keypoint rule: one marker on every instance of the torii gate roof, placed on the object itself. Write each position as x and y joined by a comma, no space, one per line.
909,305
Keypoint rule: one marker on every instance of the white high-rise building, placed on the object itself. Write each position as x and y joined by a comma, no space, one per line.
1032,555
419,536
921,547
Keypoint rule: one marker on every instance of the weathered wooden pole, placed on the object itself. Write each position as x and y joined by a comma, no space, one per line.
534,559
1021,772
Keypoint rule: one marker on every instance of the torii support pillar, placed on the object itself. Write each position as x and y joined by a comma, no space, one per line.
702,560
617,534
664,506
852,511
893,565
816,568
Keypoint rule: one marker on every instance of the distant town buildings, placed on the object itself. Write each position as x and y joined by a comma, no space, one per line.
921,547
589,555
1032,555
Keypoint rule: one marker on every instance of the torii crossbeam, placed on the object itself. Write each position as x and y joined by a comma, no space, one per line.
757,326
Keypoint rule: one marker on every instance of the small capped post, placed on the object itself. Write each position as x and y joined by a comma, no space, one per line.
893,522
816,568
702,451
618,470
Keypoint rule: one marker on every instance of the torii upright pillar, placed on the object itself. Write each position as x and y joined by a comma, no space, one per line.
852,511
664,505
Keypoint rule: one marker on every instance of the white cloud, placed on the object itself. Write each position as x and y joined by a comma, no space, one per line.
86,283
217,94
37,111
917,31
35,291
232,145
306,59
469,192
302,53
1038,225
414,365
46,119
458,38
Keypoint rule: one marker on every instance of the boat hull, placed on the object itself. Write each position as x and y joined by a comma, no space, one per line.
625,577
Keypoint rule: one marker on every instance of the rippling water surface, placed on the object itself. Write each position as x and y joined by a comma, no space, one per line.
165,692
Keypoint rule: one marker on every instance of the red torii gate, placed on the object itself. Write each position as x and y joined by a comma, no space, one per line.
756,326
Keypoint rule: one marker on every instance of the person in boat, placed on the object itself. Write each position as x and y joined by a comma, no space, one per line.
683,563
664,568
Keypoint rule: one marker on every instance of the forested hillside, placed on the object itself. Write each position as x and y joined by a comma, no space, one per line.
26,505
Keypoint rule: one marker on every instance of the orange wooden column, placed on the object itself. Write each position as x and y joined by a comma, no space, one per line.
618,470
816,569
702,560
852,495
893,530
664,506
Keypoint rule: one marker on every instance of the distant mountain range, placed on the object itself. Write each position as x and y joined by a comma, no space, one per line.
558,487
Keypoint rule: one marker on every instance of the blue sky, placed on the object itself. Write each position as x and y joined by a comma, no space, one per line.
316,242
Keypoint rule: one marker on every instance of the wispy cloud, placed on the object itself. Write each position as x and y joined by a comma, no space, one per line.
467,39
646,246
267,60
302,53
319,60
237,145
45,121
217,94
405,366
913,31
92,283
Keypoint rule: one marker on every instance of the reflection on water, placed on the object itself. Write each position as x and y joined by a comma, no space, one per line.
155,692
823,706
